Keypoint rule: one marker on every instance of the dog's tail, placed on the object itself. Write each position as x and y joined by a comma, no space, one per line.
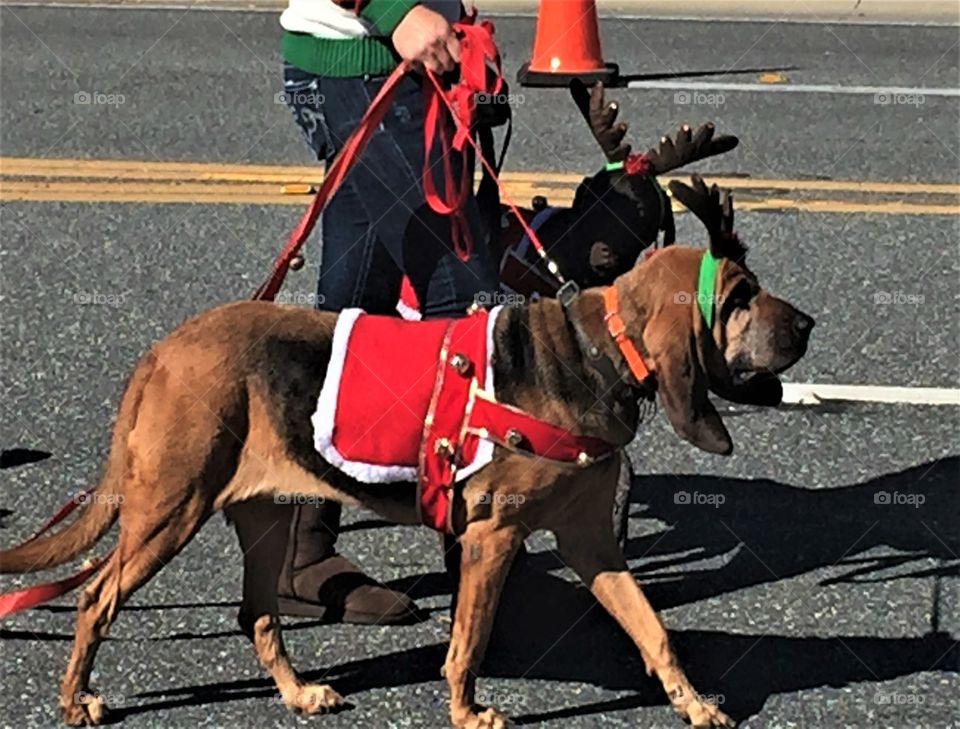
49,551
101,505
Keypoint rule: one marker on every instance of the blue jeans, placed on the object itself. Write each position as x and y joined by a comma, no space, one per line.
378,226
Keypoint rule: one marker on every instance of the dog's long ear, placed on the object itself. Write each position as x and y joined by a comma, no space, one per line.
688,146
682,385
715,211
601,117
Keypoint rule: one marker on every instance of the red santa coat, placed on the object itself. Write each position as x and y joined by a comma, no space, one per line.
415,402
396,399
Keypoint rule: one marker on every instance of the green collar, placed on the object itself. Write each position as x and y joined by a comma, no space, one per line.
707,286
664,200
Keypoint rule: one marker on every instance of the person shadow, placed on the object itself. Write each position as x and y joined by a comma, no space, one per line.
728,535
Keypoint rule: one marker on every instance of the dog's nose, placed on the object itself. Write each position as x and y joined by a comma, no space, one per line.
803,324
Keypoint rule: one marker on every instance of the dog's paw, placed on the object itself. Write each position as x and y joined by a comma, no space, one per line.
703,714
84,709
487,719
314,698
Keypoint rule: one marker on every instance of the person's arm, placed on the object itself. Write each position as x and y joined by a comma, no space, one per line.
419,34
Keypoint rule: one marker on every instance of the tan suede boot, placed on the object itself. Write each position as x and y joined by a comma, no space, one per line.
317,582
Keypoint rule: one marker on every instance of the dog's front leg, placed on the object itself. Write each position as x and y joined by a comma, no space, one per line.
488,549
586,543
263,528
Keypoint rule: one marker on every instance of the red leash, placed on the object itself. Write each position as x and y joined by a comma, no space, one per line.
28,597
478,56
332,180
17,600
477,52
465,126
14,601
477,49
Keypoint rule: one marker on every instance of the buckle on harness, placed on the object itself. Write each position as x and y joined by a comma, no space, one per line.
567,293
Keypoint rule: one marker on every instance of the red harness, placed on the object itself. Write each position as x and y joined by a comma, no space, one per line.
412,401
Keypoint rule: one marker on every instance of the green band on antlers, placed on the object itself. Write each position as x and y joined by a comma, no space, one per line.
707,286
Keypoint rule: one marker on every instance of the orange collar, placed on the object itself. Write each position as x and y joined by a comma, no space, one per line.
618,330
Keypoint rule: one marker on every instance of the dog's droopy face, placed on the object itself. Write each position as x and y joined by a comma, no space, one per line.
754,336
756,332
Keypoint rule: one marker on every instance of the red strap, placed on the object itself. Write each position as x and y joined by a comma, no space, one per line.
338,169
62,513
477,50
455,193
618,330
462,365
513,428
531,233
28,597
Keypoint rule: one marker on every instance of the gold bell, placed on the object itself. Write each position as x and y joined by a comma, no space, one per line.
296,263
584,459
460,363
514,437
443,447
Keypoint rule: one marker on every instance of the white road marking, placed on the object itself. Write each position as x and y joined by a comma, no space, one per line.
812,394
783,20
889,92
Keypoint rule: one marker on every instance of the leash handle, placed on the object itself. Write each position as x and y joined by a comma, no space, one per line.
527,229
478,55
332,180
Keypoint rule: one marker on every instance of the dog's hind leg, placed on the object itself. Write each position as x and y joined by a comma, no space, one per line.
145,545
96,608
587,544
488,549
264,528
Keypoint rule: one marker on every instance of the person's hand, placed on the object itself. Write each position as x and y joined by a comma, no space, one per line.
425,36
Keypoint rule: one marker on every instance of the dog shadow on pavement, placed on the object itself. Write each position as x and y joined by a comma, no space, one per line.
761,532
730,534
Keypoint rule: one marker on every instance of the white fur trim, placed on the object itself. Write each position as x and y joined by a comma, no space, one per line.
408,312
323,418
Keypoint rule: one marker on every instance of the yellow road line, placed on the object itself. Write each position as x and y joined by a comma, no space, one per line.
269,194
228,172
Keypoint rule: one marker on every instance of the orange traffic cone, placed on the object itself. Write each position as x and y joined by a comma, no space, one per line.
566,45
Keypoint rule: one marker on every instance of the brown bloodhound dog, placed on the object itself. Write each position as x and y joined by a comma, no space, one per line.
217,416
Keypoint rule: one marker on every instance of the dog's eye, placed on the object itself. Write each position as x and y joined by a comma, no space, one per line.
740,296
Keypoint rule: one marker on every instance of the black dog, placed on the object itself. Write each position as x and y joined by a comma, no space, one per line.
619,211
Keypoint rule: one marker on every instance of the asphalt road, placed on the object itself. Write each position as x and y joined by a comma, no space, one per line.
795,595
